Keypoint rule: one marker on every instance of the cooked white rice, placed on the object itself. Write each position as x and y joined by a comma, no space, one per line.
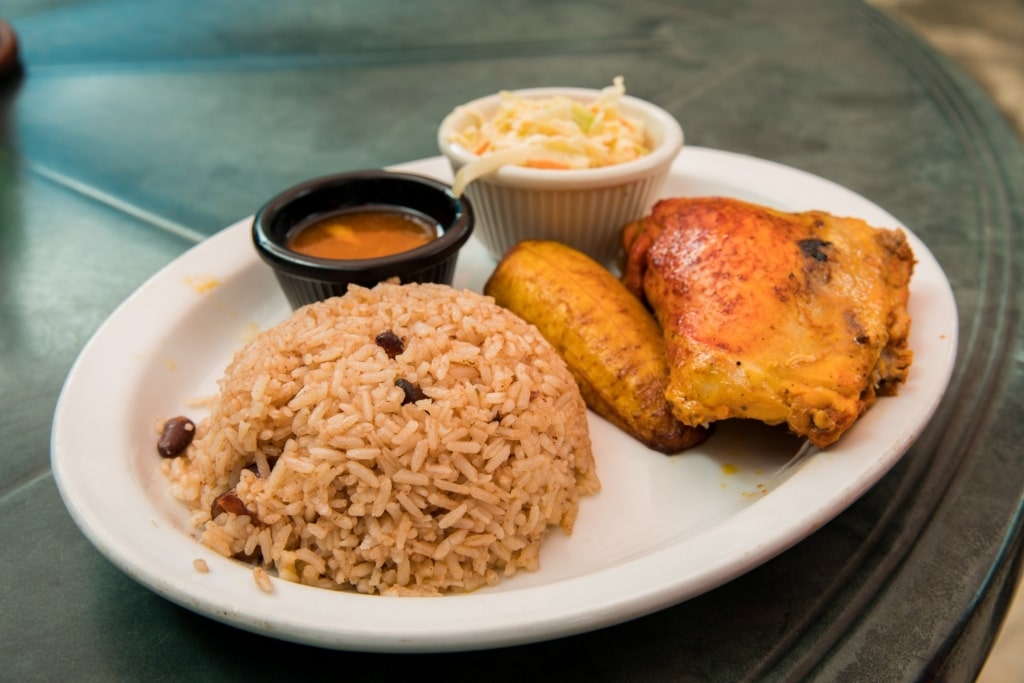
341,485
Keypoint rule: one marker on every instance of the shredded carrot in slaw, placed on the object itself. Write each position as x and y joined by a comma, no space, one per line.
550,133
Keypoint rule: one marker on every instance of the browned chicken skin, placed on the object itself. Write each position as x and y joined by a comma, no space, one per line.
796,318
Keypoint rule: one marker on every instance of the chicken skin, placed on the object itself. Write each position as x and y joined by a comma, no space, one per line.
795,318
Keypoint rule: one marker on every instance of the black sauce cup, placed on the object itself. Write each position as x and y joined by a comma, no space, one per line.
306,279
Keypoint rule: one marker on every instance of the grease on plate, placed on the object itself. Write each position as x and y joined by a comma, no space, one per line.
201,284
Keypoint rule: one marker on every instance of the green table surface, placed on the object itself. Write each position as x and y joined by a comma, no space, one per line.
136,129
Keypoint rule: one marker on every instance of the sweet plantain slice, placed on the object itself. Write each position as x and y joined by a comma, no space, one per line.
611,343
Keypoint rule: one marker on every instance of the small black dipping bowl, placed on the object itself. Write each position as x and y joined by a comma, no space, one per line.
306,279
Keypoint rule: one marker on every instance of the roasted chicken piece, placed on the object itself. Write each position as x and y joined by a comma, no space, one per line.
796,318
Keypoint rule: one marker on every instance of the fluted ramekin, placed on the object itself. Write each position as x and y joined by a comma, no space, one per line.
584,208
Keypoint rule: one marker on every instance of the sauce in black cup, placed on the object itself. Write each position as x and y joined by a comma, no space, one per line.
305,278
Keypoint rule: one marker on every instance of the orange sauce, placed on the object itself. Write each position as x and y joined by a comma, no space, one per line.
362,234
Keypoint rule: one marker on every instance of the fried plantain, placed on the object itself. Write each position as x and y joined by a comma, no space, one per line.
611,343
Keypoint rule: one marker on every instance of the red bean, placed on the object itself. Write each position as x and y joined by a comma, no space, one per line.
412,392
390,342
229,502
177,434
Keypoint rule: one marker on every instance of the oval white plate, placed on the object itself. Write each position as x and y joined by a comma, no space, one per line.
663,529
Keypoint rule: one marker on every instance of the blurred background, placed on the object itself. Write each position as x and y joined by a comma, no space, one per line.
984,37
986,40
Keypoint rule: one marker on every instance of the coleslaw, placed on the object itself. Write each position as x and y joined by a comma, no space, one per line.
549,133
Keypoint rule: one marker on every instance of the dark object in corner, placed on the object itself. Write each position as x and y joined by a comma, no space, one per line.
9,61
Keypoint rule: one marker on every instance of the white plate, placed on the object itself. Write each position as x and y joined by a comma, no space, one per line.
663,529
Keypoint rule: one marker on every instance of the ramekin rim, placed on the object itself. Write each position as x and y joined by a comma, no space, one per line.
662,155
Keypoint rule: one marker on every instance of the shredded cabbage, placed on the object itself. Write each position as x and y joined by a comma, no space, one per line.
554,133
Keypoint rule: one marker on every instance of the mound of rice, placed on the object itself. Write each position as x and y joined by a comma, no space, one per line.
338,477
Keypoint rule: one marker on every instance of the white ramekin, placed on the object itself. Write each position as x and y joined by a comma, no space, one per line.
585,208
